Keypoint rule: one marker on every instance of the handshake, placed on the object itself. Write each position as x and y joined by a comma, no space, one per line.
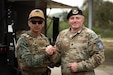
50,50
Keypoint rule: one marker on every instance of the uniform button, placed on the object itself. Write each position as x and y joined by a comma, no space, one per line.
71,43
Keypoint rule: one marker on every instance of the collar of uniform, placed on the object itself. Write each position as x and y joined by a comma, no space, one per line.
81,29
29,33
73,34
77,31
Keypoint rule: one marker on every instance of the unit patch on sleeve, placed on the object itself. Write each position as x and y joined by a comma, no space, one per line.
99,44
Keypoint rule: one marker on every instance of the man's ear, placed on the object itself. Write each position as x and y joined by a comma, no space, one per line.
28,23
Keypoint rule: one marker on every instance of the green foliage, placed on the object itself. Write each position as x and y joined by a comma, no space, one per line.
102,14
105,33
86,16
63,25
49,28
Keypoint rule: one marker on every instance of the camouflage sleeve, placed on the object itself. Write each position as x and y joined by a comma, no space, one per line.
96,53
24,54
55,58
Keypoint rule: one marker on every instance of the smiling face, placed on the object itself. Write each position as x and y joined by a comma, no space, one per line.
36,24
76,22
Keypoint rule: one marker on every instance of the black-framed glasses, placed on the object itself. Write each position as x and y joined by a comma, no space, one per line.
34,21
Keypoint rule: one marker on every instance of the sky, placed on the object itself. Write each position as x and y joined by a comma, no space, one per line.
68,2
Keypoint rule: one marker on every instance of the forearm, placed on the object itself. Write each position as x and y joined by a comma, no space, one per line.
55,57
91,63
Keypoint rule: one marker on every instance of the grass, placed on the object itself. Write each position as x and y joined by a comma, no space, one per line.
106,33
108,51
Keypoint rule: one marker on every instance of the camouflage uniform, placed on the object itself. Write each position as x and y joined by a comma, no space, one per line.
83,47
31,55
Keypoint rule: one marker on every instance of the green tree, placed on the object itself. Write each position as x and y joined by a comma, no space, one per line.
105,18
102,13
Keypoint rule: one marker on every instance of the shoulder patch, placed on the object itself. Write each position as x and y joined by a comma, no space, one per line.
99,44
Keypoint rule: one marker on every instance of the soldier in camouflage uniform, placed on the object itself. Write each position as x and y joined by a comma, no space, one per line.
81,48
34,52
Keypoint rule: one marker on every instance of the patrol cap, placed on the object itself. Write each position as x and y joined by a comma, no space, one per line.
74,11
36,13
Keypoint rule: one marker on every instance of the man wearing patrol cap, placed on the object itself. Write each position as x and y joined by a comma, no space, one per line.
81,48
36,13
34,52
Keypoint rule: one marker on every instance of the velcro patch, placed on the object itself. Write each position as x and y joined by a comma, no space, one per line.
99,44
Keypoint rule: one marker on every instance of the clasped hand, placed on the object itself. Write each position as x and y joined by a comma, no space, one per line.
50,50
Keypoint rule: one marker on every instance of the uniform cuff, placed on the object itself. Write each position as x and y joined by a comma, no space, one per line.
80,67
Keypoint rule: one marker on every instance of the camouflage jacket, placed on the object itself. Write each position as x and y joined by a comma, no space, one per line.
31,52
83,47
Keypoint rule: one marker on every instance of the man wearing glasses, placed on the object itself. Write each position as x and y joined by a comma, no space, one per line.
34,52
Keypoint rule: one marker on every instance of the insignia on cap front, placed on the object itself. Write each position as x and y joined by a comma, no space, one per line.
75,11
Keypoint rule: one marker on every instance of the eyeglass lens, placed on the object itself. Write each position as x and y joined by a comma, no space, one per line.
34,22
